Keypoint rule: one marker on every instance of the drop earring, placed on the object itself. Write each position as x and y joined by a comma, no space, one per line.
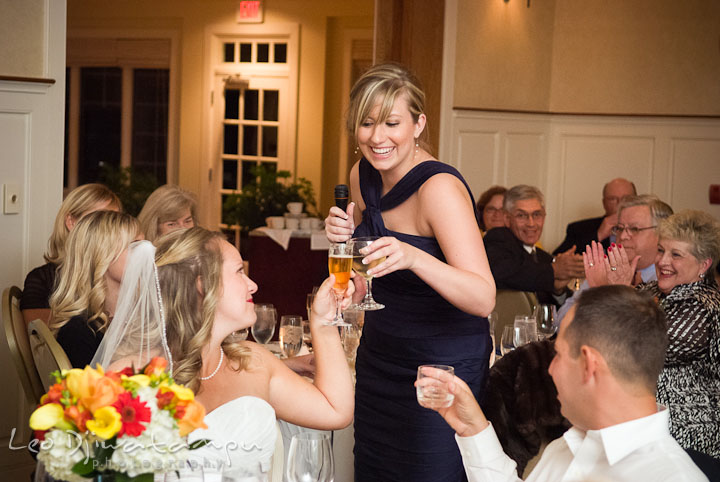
357,148
417,146
702,275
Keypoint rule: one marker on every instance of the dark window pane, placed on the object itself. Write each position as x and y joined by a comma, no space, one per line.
245,52
224,197
269,165
229,51
269,141
232,98
270,105
280,53
251,105
230,139
247,167
150,122
250,140
263,52
100,111
230,174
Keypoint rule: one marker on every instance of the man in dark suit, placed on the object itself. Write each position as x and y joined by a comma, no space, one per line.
516,263
581,233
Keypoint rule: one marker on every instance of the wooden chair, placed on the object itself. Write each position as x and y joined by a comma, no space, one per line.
46,351
509,303
19,344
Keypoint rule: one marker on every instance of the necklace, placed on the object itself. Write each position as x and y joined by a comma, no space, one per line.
222,355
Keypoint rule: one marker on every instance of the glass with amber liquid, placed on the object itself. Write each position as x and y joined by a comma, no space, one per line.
368,303
340,259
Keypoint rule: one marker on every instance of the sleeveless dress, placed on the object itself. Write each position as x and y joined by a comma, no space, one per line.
395,438
243,433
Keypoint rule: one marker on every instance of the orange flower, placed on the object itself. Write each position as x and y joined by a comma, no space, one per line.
105,392
164,398
156,366
78,417
54,394
192,417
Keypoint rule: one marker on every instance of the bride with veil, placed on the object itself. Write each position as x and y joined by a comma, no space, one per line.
183,301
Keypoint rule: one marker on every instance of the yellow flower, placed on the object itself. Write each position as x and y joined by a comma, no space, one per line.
82,382
46,417
141,380
106,424
181,392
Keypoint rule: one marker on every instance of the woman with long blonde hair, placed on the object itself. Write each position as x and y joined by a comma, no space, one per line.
89,278
40,282
168,208
203,296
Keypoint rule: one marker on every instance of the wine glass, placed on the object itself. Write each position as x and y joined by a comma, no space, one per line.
507,341
310,458
368,303
291,335
545,315
340,258
264,328
521,335
530,325
492,322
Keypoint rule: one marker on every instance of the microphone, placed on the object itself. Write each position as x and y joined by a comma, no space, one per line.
341,196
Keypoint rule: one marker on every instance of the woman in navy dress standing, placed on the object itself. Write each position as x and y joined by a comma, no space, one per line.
435,282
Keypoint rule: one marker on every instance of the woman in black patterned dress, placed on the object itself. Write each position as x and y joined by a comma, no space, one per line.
689,385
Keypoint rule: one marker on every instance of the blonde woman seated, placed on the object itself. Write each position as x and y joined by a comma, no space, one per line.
205,297
168,208
40,282
89,278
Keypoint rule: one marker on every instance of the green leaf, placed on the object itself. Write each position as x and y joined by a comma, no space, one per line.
198,443
84,468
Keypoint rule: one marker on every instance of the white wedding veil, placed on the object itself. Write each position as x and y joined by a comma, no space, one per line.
137,332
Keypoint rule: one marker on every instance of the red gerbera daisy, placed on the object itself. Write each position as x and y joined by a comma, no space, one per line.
133,412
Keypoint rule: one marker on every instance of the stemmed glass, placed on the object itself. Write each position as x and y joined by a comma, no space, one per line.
368,303
264,328
545,316
291,335
310,458
507,342
340,258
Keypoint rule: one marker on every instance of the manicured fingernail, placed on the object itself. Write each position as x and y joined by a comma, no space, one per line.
619,245
612,244
609,249
606,256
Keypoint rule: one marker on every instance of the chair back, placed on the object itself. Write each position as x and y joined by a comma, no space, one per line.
19,344
509,303
47,352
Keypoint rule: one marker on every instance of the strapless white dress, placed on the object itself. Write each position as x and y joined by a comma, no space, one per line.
242,436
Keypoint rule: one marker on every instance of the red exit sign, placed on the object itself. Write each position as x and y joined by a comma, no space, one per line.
250,11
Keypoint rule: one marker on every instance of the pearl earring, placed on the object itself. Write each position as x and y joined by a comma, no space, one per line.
702,275
417,146
357,148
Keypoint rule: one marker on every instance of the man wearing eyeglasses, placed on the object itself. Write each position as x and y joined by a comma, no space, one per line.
515,261
638,216
583,232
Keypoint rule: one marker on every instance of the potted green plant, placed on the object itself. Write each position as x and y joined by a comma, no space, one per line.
267,195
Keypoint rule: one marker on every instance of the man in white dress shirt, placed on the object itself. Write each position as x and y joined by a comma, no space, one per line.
609,352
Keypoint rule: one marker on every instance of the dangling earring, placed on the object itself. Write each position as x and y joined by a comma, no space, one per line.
357,148
702,275
417,146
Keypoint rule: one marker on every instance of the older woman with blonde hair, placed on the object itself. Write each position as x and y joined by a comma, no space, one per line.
203,297
168,208
89,278
40,282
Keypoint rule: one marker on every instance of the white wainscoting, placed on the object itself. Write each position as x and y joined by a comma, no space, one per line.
571,157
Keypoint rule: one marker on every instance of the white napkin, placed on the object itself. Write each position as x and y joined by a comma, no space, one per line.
319,241
280,236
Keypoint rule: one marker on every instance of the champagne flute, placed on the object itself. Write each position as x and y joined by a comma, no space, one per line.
350,337
310,458
264,328
291,335
368,303
340,258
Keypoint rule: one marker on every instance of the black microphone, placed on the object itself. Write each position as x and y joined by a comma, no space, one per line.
341,196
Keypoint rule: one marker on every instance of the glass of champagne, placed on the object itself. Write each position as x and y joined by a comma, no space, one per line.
340,260
310,458
264,327
368,303
291,335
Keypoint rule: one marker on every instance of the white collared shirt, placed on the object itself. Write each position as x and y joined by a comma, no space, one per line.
637,450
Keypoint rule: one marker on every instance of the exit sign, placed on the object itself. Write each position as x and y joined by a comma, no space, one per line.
250,11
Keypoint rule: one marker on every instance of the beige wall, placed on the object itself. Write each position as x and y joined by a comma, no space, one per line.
611,56
191,17
22,50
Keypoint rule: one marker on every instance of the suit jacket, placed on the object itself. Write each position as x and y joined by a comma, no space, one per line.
581,233
514,268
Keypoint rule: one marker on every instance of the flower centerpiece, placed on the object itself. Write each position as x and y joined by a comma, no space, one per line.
129,424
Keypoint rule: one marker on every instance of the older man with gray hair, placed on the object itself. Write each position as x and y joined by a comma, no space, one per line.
516,262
